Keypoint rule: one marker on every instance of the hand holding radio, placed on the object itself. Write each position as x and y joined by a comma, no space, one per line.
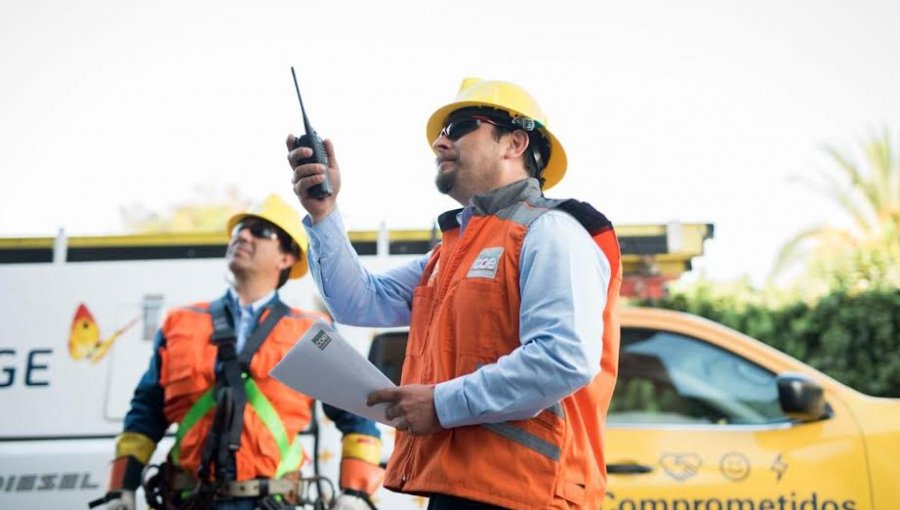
308,176
316,177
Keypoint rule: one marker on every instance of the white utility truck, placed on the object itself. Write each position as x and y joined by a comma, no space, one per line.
79,317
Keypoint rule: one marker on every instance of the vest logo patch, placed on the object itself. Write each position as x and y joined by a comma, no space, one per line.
321,340
486,264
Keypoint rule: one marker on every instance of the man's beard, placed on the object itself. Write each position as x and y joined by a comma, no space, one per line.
445,181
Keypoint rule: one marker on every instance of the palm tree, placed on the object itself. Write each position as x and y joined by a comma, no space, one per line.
869,194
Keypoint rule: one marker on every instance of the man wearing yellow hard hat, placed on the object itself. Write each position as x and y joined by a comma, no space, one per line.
513,342
236,446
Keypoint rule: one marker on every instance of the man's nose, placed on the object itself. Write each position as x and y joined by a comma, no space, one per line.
441,143
244,234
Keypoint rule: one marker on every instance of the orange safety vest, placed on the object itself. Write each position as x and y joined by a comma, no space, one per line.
275,414
465,314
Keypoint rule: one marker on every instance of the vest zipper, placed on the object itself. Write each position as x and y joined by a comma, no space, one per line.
406,463
440,288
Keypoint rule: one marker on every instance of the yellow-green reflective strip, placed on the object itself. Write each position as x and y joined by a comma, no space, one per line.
291,453
203,405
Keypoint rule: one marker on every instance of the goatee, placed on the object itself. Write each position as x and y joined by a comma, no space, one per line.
445,181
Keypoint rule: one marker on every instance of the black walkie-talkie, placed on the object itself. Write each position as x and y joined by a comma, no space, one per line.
311,140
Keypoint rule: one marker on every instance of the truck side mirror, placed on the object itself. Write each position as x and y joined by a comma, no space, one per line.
387,353
802,399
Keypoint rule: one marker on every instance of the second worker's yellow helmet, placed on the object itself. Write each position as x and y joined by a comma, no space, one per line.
277,212
514,100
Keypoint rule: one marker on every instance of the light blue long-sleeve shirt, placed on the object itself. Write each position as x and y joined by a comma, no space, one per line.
246,316
563,281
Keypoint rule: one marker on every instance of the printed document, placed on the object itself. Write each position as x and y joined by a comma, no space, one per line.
323,365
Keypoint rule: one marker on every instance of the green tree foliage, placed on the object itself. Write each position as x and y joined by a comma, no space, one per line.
866,253
842,314
853,337
208,212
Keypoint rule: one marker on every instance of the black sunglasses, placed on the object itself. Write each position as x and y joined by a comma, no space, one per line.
456,129
264,230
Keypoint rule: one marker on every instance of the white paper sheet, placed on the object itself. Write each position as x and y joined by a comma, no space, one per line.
323,365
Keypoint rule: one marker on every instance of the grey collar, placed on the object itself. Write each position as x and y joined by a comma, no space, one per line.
498,199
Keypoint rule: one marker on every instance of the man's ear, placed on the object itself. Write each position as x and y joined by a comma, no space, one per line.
517,143
287,260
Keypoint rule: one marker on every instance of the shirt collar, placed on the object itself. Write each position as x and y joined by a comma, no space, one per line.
498,199
463,217
490,203
254,306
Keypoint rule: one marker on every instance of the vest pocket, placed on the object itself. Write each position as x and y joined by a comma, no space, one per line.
573,492
179,378
508,460
413,364
484,326
551,419
178,375
422,303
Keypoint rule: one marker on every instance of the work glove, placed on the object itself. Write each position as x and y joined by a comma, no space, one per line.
124,500
133,450
115,500
361,474
352,500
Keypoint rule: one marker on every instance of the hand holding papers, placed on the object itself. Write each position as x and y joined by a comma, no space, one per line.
326,367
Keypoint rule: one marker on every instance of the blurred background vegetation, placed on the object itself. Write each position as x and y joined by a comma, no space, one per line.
207,211
833,300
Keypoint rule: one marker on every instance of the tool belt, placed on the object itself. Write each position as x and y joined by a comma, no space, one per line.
286,487
172,488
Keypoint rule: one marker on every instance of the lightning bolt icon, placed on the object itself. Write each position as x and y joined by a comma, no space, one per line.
779,467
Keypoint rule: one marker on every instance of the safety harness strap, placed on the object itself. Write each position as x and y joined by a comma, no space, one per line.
216,445
230,394
277,310
198,410
291,452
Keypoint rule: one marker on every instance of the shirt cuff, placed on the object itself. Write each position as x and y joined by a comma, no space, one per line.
451,405
326,235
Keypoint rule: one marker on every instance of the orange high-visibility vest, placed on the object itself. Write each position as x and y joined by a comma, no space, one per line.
187,375
465,314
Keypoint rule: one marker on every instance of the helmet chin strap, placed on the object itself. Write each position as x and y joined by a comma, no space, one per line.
537,167
536,161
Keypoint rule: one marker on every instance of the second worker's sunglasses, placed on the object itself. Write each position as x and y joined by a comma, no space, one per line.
264,230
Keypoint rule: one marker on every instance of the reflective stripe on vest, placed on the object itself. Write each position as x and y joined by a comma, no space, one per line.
291,452
525,438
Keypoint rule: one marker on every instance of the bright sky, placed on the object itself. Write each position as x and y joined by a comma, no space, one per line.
691,111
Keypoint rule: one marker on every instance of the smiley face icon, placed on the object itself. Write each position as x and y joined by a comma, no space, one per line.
734,466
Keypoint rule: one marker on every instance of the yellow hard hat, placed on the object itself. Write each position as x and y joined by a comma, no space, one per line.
279,213
511,99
